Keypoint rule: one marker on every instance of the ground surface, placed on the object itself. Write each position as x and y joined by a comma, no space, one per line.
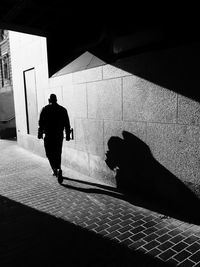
43,223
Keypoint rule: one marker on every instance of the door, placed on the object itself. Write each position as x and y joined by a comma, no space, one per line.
31,101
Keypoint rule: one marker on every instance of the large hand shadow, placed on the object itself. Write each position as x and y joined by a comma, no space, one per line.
139,173
143,181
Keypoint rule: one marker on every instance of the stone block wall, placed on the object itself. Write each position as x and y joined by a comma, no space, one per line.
105,101
154,96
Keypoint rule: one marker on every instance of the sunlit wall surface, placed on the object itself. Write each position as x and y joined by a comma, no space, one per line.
30,80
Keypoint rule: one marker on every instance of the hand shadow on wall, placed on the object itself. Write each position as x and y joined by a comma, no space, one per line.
139,174
143,181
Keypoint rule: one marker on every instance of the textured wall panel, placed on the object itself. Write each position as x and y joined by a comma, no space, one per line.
136,128
104,99
76,159
100,170
90,75
188,111
144,101
89,136
80,101
177,147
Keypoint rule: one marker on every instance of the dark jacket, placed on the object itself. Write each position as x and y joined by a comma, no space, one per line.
53,121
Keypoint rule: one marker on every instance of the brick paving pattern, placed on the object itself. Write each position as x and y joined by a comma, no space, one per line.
26,181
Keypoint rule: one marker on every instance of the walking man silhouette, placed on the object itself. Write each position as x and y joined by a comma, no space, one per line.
53,121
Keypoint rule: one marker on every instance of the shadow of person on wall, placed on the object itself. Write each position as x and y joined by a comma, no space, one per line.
139,174
142,181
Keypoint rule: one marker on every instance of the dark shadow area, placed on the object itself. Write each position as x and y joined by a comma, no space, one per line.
8,133
33,238
170,65
138,173
143,181
97,185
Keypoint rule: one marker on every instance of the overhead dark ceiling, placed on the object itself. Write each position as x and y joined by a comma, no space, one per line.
108,29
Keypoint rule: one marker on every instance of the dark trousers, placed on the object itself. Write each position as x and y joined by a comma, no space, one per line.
53,149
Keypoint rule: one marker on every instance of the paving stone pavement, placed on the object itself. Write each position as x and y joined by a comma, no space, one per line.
43,223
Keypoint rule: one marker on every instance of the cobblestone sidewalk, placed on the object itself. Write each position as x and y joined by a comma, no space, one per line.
81,224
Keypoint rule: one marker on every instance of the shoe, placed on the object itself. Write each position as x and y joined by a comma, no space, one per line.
59,172
55,172
60,177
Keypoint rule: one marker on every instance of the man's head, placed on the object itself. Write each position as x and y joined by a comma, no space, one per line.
52,99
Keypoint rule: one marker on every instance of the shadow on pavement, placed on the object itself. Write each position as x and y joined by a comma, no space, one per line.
33,238
143,181
136,199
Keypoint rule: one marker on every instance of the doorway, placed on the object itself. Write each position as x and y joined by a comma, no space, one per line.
31,101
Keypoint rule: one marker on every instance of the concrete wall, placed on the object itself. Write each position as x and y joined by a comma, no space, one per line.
28,51
144,95
108,100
